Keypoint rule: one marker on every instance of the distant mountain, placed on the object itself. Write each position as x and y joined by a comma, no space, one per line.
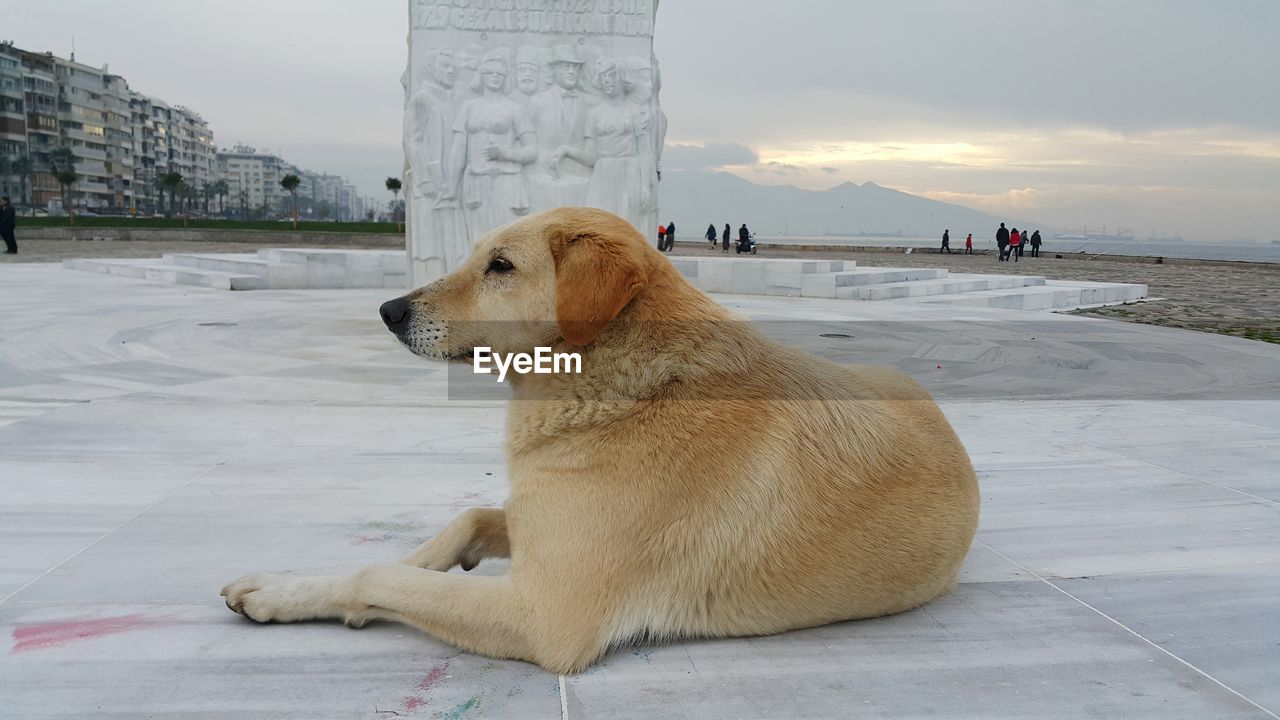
692,199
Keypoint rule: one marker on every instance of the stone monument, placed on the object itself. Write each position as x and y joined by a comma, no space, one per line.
518,106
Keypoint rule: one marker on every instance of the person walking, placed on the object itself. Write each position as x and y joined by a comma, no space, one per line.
1015,244
711,235
671,236
1002,241
946,242
1035,244
968,245
662,238
8,223
725,238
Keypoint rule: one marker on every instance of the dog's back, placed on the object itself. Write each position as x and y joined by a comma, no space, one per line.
761,489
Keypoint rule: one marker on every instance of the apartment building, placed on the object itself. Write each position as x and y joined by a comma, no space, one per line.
122,141
253,180
169,139
13,119
94,123
331,195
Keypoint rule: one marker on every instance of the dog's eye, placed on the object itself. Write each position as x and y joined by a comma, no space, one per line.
499,265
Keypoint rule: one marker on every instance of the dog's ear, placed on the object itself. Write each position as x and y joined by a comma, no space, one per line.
597,274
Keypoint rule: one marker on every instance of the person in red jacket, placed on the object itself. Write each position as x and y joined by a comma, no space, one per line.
1015,242
968,245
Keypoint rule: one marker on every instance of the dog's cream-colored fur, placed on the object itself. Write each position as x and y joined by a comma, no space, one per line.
696,480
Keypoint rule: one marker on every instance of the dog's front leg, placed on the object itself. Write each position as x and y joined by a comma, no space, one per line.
474,535
486,615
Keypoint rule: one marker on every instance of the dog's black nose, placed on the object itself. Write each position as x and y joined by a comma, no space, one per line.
396,314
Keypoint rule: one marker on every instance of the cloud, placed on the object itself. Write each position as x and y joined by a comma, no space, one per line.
830,170
780,168
710,156
1008,201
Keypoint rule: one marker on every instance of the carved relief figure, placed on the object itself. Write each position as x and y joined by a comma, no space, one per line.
467,87
497,105
528,74
439,231
492,142
615,150
639,84
559,117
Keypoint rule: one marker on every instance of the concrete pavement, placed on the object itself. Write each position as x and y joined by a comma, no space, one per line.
157,441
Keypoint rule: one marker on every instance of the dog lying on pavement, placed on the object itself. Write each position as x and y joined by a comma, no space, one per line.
843,493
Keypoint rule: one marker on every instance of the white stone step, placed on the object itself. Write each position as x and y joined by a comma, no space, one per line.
270,268
1053,295
754,275
952,284
330,269
276,275
245,262
161,271
830,285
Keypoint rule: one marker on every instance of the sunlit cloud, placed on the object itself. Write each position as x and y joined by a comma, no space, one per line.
1015,200
830,154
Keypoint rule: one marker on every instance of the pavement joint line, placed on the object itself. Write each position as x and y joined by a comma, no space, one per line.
1246,493
1157,571
564,700
1129,630
213,466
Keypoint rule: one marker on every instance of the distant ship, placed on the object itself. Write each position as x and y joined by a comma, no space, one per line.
1120,236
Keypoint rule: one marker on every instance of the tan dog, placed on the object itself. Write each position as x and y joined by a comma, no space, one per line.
846,495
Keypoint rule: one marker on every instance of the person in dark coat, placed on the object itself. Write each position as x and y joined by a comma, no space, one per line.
725,238
711,235
1035,244
744,237
946,242
8,223
671,236
1002,241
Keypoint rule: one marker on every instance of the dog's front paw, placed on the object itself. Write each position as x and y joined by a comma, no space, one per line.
265,597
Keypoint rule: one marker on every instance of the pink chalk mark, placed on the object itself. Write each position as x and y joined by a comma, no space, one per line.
56,634
430,680
433,677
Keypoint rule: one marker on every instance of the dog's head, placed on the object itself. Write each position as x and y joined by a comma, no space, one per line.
561,274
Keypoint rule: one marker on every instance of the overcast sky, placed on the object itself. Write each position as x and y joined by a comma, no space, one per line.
1158,115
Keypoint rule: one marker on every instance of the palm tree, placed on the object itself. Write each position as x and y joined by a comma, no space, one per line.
393,184
66,179
62,160
220,189
290,183
18,166
24,169
63,163
171,181
185,194
206,194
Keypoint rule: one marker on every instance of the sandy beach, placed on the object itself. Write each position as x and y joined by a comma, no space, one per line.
1241,299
